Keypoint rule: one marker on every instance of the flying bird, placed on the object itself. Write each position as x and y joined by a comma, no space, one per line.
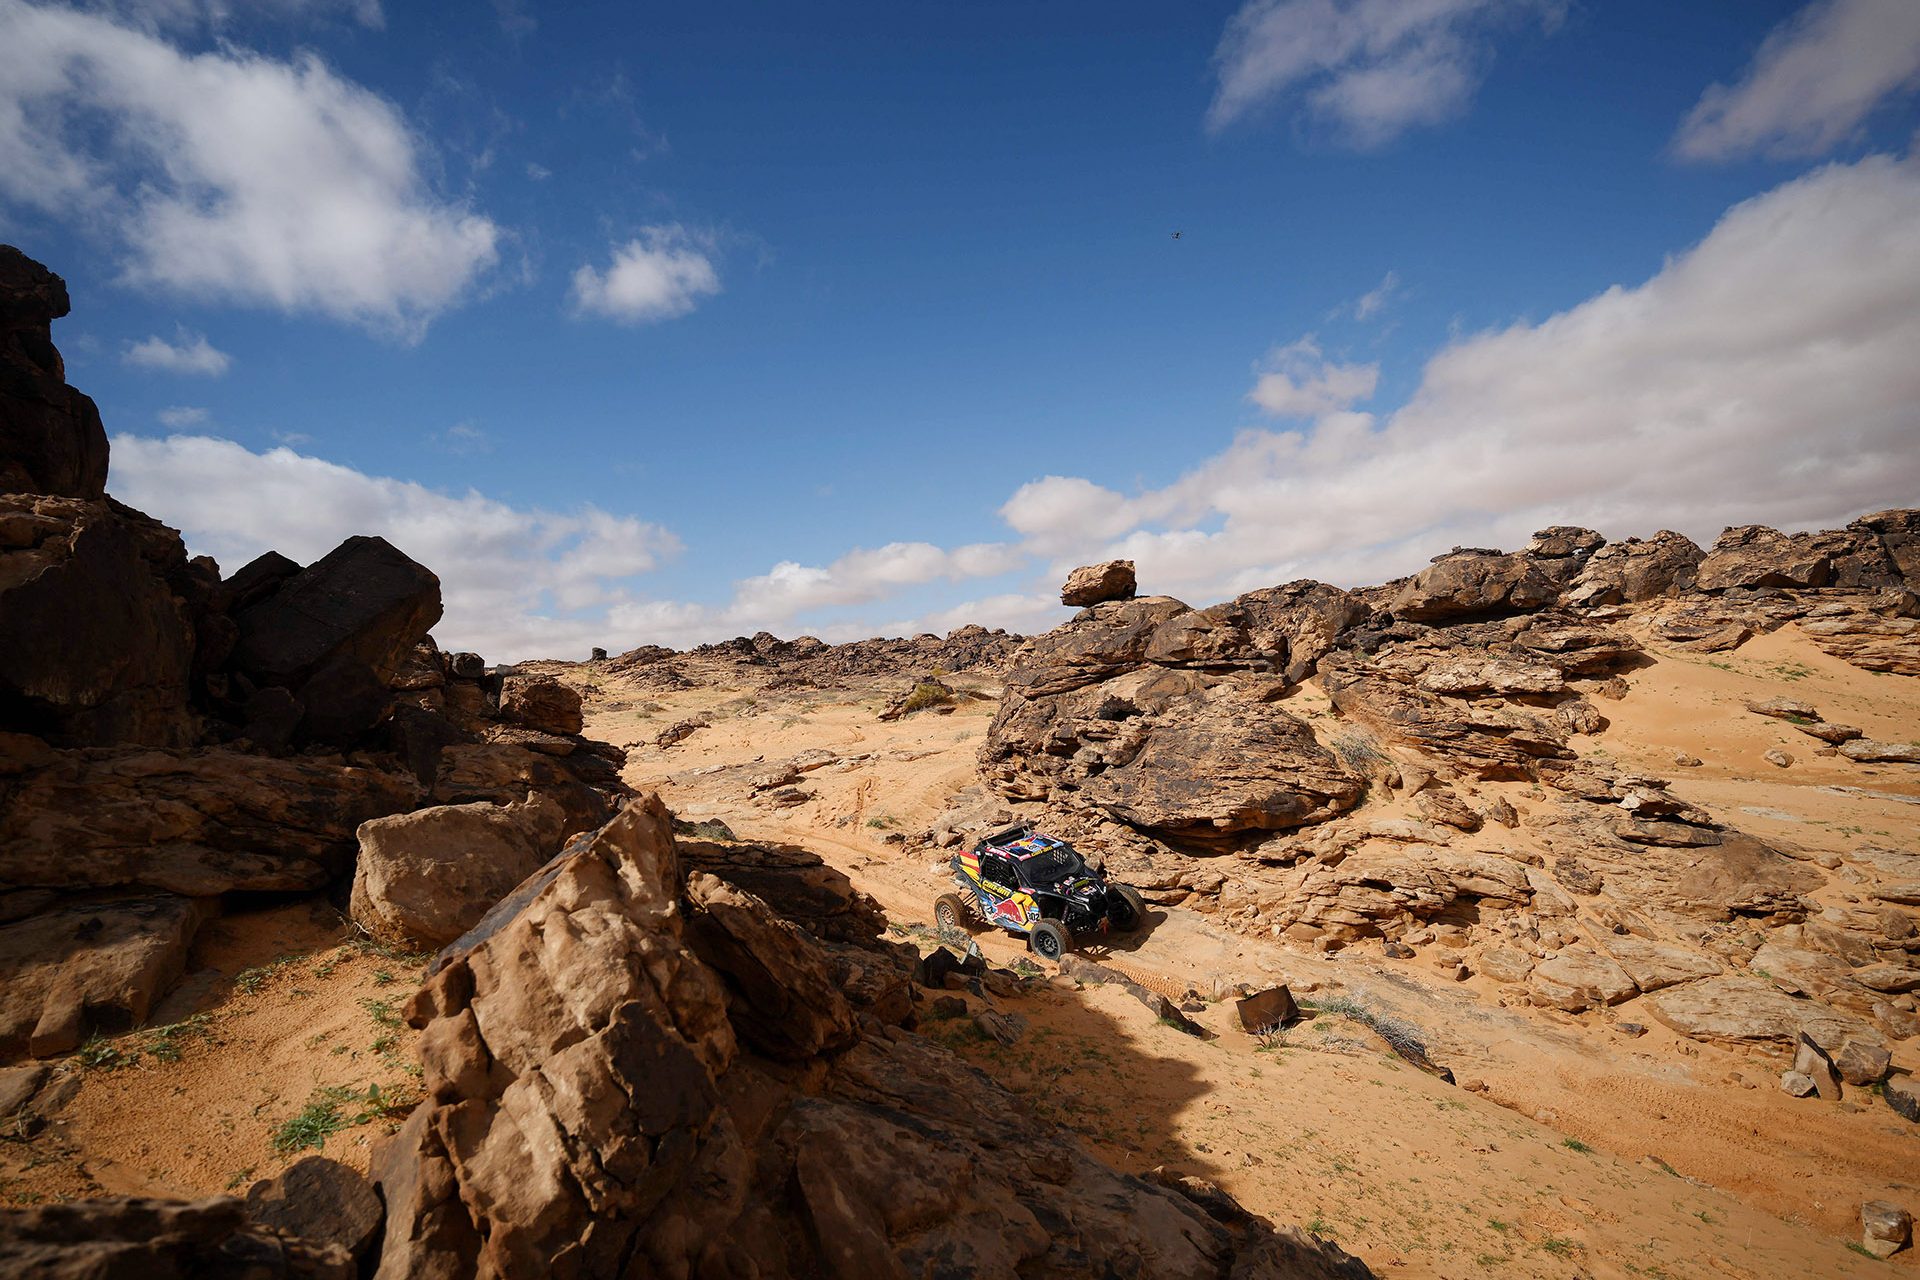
1176,235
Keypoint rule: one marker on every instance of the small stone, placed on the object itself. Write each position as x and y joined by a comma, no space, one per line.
1686,761
1399,951
1779,759
947,1007
1795,1084
1885,1228
1472,1085
1633,1029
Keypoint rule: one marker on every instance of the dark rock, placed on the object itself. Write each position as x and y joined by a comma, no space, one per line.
344,699
364,600
136,1239
197,823
1266,1010
257,579
51,440
322,1201
95,650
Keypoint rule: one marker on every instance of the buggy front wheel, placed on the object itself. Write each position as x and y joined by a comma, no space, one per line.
949,913
1126,908
1050,940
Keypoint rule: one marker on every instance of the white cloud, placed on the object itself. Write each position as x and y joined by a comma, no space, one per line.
1766,374
1371,68
1298,381
464,439
187,353
662,273
538,172
863,575
1812,82
510,576
180,416
1377,299
518,583
230,175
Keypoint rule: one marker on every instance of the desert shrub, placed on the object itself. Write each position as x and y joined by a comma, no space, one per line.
928,693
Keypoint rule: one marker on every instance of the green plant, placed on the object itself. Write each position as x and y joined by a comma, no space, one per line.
1559,1247
928,693
1497,1225
1319,1227
1862,1250
165,1042
249,981
382,978
101,1054
325,1114
1574,1144
381,1011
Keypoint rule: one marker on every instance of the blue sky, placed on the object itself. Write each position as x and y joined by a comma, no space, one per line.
647,324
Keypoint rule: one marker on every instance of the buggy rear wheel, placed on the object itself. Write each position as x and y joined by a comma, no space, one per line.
1126,908
949,913
1050,940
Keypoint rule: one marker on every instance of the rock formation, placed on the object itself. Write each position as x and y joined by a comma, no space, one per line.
168,736
1186,749
633,1066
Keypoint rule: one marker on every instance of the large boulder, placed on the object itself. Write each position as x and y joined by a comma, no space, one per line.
541,702
424,878
1098,583
95,649
51,439
364,602
94,963
1634,570
1216,763
1469,581
1754,555
197,823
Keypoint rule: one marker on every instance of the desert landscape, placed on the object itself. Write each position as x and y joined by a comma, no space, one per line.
1549,912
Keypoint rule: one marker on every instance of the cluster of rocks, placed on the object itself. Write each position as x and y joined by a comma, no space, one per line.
806,662
692,1059
170,736
1313,764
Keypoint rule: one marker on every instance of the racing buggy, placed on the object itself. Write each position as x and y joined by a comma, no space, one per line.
1032,884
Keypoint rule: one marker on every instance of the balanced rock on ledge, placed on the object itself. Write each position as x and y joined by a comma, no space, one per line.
1098,583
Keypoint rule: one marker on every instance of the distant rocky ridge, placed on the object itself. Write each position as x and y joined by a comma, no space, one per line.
1165,739
806,662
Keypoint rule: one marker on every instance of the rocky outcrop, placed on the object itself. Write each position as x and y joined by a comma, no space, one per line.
1470,581
1634,570
1755,556
540,702
198,823
601,1058
167,737
51,439
1098,583
95,647
158,1240
424,878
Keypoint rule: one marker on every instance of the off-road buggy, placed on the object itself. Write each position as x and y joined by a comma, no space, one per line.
1033,884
